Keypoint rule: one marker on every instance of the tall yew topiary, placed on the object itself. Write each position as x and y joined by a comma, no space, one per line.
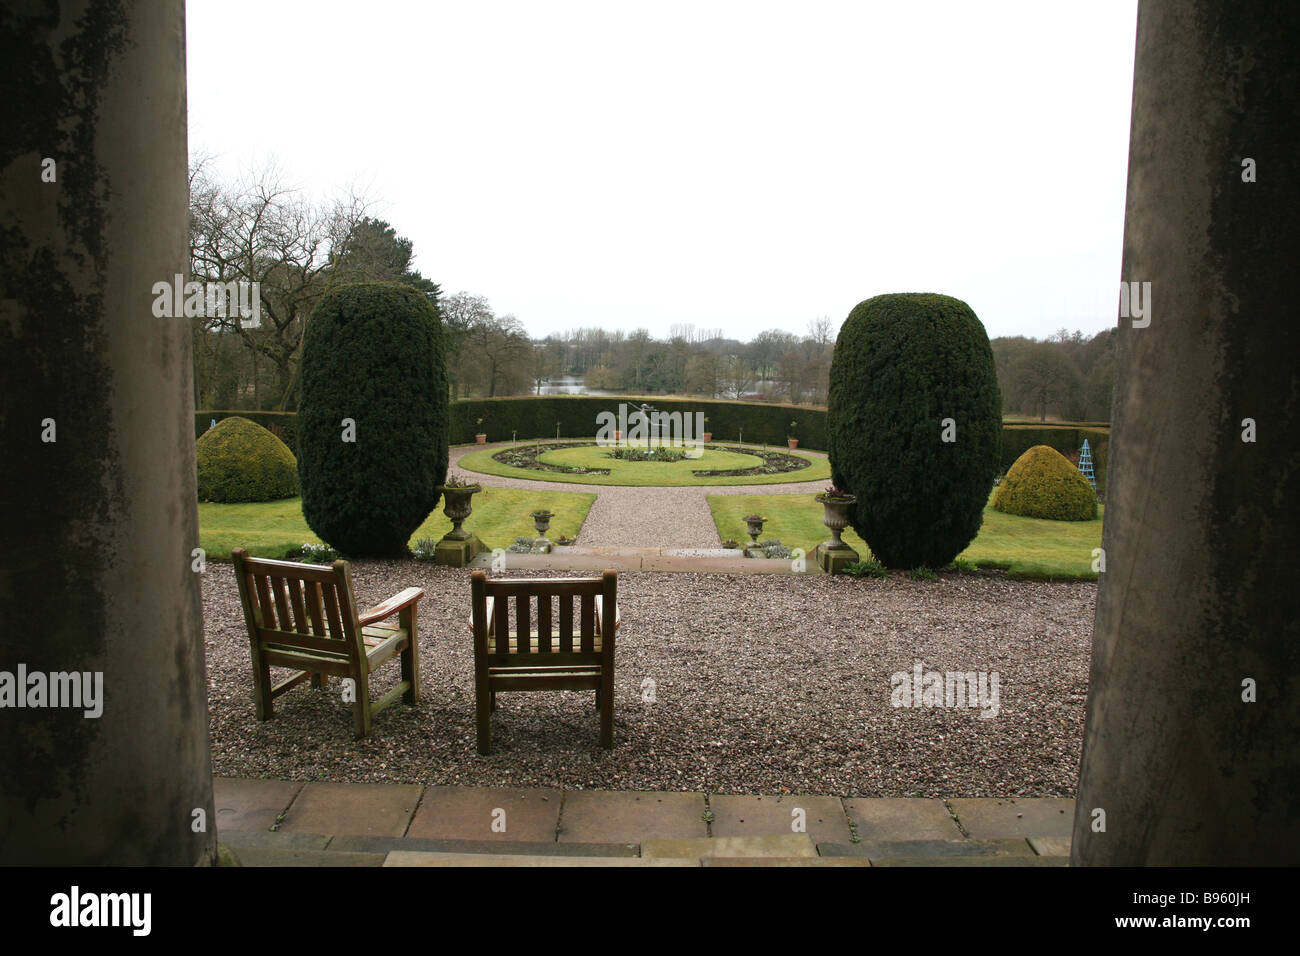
372,425
904,364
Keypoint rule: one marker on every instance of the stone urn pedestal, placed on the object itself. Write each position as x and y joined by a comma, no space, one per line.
458,547
833,554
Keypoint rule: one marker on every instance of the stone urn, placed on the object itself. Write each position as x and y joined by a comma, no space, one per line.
794,442
754,524
481,438
456,506
836,518
542,522
708,436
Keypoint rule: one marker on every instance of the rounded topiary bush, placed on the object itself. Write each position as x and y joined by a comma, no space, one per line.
909,371
1043,484
372,424
239,460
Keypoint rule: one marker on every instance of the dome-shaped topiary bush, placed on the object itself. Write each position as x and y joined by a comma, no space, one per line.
904,365
1043,484
373,356
239,460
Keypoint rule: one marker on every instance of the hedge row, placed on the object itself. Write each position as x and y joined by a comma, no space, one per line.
536,417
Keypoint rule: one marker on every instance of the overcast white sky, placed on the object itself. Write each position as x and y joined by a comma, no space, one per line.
741,166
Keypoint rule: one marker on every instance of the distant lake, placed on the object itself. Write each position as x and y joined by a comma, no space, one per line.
570,385
573,385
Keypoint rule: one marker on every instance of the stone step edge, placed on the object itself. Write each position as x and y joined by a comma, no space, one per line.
356,843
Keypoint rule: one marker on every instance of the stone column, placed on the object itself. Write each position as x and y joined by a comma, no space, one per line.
1200,598
97,488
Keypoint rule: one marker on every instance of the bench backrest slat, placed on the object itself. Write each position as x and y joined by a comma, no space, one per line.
566,622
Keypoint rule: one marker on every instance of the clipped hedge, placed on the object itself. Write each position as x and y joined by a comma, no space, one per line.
536,417
283,425
1044,484
1067,439
905,365
373,418
240,460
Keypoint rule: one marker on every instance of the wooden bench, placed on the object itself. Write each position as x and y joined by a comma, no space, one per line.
304,617
536,651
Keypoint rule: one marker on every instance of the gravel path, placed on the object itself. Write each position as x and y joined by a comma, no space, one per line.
760,683
644,517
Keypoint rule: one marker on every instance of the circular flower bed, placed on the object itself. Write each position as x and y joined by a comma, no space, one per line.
529,457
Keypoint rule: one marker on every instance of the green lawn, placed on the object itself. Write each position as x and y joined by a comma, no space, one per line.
1026,547
271,529
644,473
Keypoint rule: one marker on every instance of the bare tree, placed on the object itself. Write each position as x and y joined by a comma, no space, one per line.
261,230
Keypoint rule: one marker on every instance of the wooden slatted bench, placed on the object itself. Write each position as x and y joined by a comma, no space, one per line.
537,651
304,617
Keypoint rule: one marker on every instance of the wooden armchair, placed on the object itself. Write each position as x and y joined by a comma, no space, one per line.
538,652
303,616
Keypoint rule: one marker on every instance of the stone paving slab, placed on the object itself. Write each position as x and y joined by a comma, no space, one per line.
278,858
561,561
407,858
1030,860
379,844
991,818
833,861
662,562
739,816
366,809
930,849
244,803
608,816
795,844
1051,846
901,818
240,840
471,813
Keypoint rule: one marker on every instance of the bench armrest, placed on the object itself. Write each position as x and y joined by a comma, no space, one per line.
390,607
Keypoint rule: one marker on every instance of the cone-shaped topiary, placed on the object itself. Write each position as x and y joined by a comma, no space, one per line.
372,426
914,425
1043,484
239,460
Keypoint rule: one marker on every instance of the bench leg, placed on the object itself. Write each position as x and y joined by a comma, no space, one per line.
483,711
492,698
361,708
319,681
410,656
262,705
606,694
598,698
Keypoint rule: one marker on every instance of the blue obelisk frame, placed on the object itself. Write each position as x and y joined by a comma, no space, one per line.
1085,465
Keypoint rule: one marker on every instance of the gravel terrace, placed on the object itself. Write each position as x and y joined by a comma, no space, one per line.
654,517
761,684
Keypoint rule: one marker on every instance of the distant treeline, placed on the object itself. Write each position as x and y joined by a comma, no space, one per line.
261,231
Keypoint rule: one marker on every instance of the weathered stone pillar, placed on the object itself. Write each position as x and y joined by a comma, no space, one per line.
1200,598
97,486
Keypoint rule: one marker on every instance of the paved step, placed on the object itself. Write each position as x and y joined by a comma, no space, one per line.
260,821
411,858
781,847
685,560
